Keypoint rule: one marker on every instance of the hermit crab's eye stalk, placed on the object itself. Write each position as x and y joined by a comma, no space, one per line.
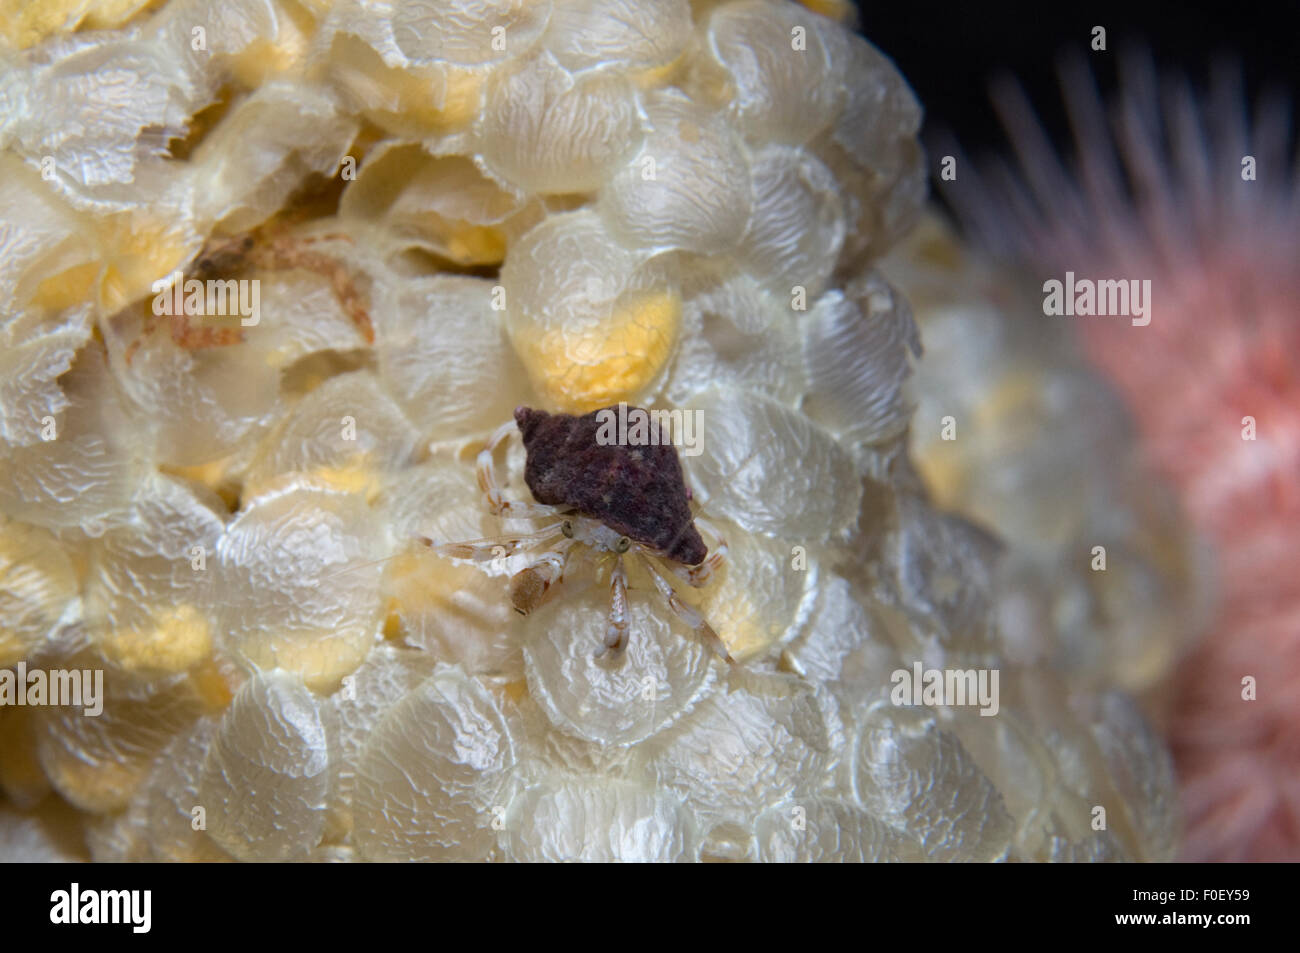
567,529
623,544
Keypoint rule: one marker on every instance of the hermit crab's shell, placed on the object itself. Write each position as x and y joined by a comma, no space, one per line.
635,490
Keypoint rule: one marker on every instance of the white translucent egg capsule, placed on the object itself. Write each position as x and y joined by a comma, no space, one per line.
268,146
347,431
86,472
467,32
745,470
688,187
620,35
572,819
737,335
944,568
298,584
265,783
545,130
797,228
97,763
150,599
763,595
1142,771
786,87
858,348
820,830
428,777
362,699
442,204
846,639
167,814
40,237
39,589
618,701
914,775
445,356
754,741
37,351
593,321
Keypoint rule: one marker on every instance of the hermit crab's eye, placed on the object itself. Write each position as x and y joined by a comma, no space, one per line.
623,544
567,529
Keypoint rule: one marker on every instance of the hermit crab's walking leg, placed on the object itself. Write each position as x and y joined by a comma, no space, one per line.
531,586
487,480
616,627
687,614
697,576
485,550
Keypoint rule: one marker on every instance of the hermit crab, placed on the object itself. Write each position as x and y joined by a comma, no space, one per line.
268,248
624,501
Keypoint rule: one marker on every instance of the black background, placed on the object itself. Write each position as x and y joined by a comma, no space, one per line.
371,908
949,51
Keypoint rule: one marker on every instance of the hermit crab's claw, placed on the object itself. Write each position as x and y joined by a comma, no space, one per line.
527,589
689,549
532,586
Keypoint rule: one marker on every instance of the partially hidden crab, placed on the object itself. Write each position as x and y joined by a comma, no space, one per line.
262,249
627,501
